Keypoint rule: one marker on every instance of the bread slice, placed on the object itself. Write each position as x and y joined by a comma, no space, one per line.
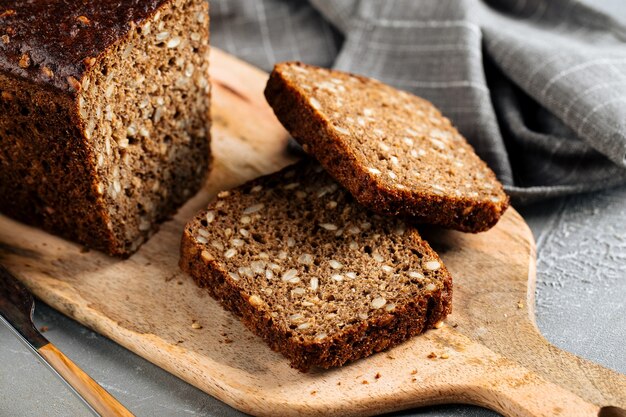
104,115
393,151
313,273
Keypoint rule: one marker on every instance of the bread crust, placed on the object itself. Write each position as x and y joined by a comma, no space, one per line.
65,38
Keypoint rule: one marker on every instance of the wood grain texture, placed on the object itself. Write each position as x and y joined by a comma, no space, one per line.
96,396
490,352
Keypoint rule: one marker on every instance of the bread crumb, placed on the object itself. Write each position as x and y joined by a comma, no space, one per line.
44,329
339,383
413,379
196,325
414,371
439,324
432,355
377,376
444,356
313,392
364,382
520,304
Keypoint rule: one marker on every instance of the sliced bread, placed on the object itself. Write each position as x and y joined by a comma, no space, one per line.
312,272
393,151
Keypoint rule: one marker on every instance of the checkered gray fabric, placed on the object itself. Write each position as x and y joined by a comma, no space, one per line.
537,86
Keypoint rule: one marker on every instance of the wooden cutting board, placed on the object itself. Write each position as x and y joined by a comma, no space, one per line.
489,353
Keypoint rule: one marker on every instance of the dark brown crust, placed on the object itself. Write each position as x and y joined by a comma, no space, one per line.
318,139
376,334
62,36
27,167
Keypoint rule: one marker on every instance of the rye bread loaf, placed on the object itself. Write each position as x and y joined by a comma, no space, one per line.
104,123
393,151
312,272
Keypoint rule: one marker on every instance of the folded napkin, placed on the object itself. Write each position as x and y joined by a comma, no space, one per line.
537,86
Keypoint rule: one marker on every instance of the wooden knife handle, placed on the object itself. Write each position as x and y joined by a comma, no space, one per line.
96,396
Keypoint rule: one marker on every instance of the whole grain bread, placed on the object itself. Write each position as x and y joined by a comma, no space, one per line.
393,151
104,115
312,272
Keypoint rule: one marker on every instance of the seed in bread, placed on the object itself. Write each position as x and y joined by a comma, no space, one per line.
312,272
393,151
104,118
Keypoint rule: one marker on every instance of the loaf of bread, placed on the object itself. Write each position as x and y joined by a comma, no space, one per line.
393,151
312,272
104,115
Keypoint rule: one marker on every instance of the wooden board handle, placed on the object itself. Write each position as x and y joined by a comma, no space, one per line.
96,396
472,373
536,399
517,392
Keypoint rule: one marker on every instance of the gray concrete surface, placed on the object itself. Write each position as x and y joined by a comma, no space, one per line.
581,307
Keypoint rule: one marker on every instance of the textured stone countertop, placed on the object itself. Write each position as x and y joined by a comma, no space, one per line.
581,307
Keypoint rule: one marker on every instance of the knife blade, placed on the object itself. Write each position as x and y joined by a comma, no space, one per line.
16,312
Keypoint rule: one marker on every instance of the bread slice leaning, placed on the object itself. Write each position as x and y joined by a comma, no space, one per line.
393,151
312,272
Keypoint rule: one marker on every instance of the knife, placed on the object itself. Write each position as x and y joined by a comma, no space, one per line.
16,312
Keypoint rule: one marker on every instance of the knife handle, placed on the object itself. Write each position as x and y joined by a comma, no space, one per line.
96,396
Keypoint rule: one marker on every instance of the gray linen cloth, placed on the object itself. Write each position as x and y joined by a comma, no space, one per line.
538,87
